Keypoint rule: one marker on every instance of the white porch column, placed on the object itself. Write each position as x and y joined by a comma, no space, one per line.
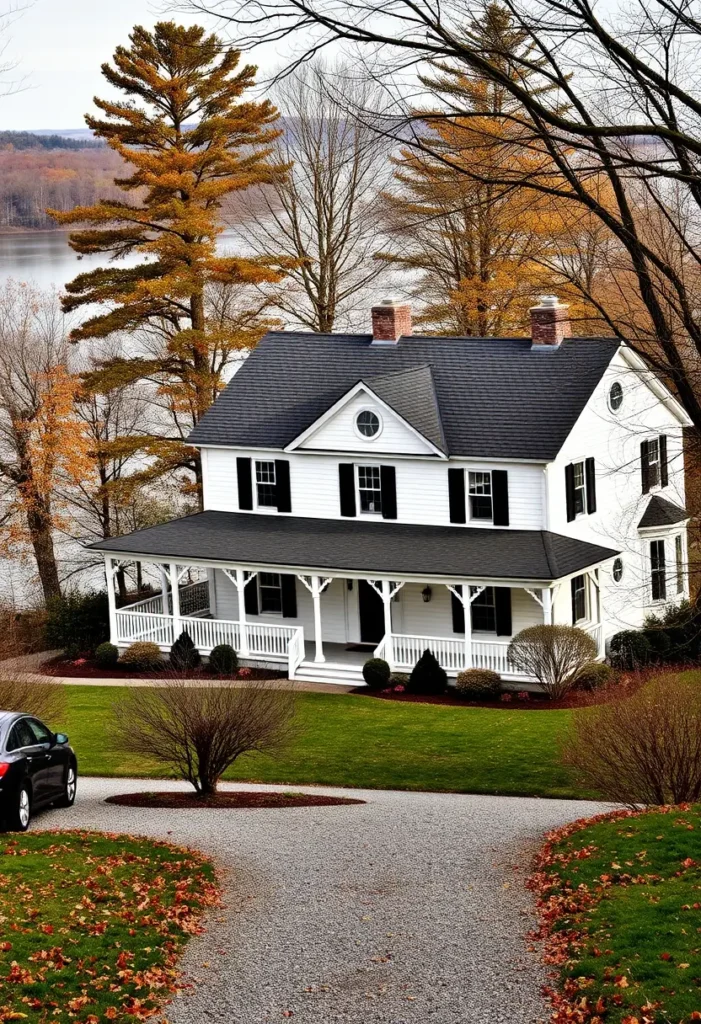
467,610
165,608
241,591
386,595
111,598
547,596
175,596
316,598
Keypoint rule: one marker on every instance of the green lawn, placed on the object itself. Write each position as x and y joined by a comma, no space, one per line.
641,952
349,740
93,924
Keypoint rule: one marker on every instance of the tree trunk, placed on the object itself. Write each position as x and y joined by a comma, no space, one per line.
43,546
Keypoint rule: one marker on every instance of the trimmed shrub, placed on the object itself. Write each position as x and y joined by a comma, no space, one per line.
478,683
376,673
660,644
555,655
596,675
106,655
142,656
78,623
184,656
399,679
223,660
630,649
427,677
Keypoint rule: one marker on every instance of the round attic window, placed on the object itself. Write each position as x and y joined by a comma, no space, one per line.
618,570
367,423
616,396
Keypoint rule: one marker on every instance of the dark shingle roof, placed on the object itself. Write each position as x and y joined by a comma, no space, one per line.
353,545
497,397
660,512
412,394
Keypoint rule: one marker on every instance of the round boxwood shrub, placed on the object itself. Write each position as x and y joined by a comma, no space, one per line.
106,655
184,656
630,649
376,673
478,684
223,660
142,656
596,675
427,677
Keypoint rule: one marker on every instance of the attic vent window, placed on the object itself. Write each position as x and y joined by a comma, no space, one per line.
615,396
367,423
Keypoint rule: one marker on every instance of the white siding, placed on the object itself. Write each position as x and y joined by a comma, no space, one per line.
338,432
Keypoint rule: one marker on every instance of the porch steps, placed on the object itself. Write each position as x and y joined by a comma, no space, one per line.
330,672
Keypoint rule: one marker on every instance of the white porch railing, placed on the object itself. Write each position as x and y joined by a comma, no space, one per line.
406,650
194,600
147,626
264,640
295,652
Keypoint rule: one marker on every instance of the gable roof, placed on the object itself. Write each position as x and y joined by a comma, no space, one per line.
660,512
357,546
497,397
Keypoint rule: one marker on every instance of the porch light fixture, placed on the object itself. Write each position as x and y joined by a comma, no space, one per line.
427,594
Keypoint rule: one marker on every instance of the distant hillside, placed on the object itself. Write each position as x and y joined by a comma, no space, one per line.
30,140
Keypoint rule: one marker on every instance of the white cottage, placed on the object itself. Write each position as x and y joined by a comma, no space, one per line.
390,492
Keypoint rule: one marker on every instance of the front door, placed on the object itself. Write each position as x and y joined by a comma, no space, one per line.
372,614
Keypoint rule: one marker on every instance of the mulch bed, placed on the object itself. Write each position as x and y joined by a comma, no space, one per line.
228,800
87,669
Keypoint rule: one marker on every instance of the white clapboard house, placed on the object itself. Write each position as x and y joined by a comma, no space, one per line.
391,492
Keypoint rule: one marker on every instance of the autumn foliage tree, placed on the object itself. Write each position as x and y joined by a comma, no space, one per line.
191,141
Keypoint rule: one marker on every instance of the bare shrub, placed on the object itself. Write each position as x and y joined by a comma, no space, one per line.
645,749
21,632
33,695
198,730
555,655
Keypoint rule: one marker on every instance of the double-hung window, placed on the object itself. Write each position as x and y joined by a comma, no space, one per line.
266,484
653,463
579,599
580,489
679,562
658,572
370,490
480,491
484,613
270,590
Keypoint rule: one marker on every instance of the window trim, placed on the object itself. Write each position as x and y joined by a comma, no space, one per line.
479,519
493,606
256,503
261,586
657,485
579,487
615,409
585,594
358,433
378,469
658,574
618,561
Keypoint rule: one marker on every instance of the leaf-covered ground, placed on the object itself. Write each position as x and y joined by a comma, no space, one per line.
620,917
91,925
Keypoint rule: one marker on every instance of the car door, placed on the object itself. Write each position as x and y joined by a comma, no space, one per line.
37,757
55,756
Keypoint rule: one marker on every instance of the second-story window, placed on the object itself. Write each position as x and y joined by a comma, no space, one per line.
266,484
653,463
580,493
480,490
580,488
370,490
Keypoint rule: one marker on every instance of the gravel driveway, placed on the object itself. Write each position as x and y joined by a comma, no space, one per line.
410,908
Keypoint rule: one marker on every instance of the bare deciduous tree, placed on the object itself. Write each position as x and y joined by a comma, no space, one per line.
555,655
198,731
645,749
324,214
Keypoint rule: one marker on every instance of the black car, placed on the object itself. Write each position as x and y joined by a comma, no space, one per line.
37,767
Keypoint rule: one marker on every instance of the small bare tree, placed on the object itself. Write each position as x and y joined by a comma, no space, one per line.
645,749
199,731
555,655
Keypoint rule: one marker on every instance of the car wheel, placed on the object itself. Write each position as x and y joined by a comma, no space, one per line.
71,786
19,816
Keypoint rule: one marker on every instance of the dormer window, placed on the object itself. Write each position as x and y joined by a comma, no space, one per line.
370,490
368,424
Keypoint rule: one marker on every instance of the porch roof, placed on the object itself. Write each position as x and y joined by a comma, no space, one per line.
358,546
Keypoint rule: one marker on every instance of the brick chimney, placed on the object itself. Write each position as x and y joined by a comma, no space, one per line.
390,320
550,322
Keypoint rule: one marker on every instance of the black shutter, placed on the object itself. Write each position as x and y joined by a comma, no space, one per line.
243,474
500,497
282,485
289,596
645,465
456,495
388,483
346,483
458,612
569,492
664,471
590,476
250,596
502,607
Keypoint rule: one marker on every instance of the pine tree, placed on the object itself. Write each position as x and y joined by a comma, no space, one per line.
190,141
475,244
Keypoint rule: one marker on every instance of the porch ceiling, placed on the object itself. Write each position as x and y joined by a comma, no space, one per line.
361,546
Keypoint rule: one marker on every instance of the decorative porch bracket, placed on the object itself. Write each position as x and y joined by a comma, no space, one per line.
316,585
112,567
386,591
464,594
241,578
545,602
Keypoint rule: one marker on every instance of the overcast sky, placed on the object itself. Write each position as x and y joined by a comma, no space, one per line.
58,47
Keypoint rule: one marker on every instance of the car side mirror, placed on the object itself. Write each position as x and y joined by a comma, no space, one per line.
61,737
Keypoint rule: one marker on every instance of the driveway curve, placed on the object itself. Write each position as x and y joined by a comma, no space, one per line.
409,909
